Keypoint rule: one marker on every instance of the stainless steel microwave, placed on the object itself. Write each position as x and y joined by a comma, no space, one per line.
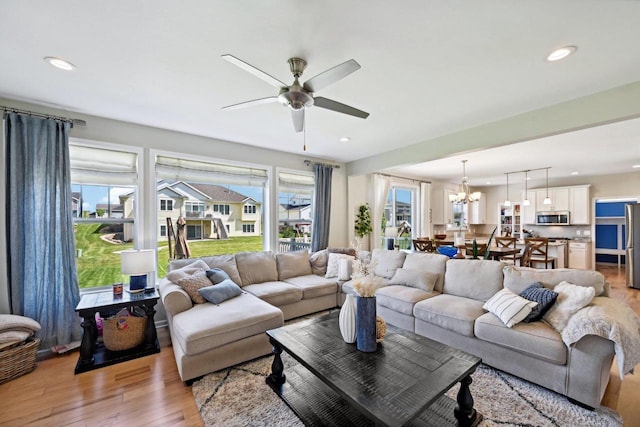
552,218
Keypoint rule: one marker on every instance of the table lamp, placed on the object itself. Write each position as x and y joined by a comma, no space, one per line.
138,263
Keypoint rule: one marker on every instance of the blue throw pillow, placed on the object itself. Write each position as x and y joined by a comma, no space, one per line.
217,275
221,292
543,296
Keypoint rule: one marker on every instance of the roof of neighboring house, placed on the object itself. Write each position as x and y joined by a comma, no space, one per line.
291,207
218,193
76,195
114,208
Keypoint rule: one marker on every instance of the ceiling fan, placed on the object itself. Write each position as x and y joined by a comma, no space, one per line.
296,96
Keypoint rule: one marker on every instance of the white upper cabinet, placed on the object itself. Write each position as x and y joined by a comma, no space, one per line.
579,205
478,211
559,199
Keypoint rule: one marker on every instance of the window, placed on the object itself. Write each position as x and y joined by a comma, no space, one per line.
104,183
249,209
222,209
163,230
295,192
399,213
166,205
212,196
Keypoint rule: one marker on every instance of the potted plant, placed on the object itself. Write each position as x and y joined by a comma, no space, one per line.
363,226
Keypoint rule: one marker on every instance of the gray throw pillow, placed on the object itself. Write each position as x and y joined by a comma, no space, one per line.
543,296
217,275
221,292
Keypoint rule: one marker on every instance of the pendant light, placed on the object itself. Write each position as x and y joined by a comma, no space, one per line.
526,201
465,196
507,202
547,200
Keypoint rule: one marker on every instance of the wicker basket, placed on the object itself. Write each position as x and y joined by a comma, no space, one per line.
18,360
123,333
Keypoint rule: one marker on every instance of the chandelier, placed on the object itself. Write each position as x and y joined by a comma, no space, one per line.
465,196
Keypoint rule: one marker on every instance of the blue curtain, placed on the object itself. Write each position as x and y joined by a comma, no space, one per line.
43,282
321,207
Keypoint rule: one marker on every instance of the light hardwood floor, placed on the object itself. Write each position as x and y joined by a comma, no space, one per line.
148,391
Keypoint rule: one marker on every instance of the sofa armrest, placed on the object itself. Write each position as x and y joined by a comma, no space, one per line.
589,367
174,298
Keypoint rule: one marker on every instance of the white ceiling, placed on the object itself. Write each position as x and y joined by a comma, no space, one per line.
429,68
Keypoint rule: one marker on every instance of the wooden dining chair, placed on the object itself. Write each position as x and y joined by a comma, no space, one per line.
423,245
481,247
540,252
508,242
525,259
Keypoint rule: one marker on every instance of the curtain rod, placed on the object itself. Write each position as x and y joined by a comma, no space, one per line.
403,177
74,122
309,162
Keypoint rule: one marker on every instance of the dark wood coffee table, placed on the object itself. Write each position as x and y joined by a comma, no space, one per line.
402,383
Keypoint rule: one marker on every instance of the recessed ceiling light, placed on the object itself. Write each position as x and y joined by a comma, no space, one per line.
635,166
561,53
345,139
60,63
488,182
575,173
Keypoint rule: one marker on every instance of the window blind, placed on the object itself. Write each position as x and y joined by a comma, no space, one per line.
98,166
294,183
176,169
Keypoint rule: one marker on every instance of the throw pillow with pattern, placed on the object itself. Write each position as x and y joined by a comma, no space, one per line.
543,296
192,283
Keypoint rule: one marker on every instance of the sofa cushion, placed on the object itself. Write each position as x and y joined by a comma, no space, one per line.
347,287
476,279
318,261
257,267
518,278
386,262
433,263
314,286
217,275
571,298
415,279
186,269
231,321
292,264
536,339
543,296
509,307
191,285
219,293
276,293
401,298
333,264
450,312
227,263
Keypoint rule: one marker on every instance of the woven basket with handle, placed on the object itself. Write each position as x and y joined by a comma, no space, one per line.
18,360
123,332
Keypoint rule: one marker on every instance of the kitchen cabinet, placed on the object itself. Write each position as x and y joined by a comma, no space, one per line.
478,211
580,255
579,205
441,207
528,213
559,199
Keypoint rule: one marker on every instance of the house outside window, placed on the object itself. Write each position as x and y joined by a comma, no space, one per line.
163,230
295,192
166,205
194,209
248,228
221,209
249,209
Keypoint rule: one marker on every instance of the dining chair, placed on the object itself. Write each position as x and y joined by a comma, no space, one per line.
525,259
481,247
540,252
423,244
508,242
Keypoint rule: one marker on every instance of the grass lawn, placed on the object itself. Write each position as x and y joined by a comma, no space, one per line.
99,264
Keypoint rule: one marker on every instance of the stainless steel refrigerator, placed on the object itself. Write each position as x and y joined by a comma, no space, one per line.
632,261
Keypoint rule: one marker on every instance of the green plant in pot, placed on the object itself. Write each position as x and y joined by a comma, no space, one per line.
363,227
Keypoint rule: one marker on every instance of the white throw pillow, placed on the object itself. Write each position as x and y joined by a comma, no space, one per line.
333,265
424,280
571,298
511,308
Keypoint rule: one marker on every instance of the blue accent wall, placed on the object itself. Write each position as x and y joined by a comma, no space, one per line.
606,236
611,209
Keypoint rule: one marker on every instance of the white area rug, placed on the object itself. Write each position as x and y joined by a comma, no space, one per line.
239,396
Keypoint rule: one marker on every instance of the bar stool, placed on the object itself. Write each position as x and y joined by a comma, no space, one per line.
540,252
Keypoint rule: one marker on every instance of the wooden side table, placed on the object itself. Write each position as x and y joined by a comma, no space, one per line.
93,354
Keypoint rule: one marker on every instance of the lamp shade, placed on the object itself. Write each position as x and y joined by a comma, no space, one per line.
141,261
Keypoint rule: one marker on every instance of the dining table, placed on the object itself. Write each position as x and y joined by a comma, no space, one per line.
498,252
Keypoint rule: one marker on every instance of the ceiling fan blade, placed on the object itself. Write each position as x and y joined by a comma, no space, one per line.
251,103
253,70
331,75
330,104
298,119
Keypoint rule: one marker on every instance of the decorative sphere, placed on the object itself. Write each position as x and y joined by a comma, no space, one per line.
381,329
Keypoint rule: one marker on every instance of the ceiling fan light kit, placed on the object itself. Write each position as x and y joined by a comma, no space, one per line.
298,96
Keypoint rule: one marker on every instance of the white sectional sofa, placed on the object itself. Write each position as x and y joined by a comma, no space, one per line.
207,337
453,314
